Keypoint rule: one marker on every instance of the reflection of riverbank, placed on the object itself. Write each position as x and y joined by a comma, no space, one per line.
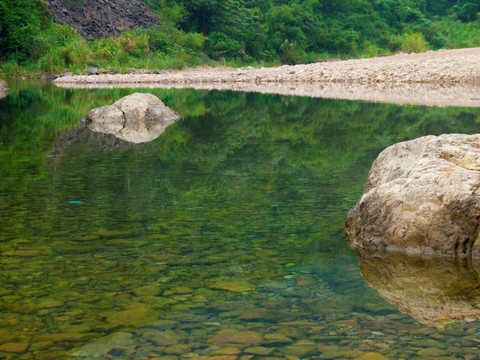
417,94
435,291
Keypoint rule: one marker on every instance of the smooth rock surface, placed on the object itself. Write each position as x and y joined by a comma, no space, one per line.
422,197
136,118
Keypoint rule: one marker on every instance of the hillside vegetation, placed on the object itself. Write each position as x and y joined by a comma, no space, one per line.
237,32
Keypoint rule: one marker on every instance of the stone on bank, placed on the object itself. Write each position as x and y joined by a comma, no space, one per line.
422,197
4,89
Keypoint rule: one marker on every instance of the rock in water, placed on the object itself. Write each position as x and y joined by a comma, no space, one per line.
136,118
423,197
4,89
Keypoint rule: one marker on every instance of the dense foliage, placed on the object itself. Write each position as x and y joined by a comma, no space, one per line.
240,32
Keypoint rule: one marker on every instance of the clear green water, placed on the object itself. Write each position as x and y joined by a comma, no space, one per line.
221,239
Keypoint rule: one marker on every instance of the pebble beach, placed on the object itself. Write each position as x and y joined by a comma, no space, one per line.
440,78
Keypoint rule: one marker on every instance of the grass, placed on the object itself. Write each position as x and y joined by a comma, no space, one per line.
61,49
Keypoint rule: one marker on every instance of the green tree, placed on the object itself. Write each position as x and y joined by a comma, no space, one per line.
20,22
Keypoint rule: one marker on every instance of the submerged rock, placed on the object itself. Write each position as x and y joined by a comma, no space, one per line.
4,89
433,291
136,118
16,348
422,196
121,342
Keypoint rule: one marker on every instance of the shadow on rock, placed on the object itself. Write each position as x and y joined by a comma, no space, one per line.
434,291
136,118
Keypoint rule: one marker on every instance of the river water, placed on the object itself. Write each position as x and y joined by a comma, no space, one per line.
221,239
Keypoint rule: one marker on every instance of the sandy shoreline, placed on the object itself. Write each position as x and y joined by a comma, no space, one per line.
441,78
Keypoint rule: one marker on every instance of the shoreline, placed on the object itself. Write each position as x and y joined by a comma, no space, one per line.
435,78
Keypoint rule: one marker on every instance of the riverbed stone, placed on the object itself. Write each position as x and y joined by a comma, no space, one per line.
136,316
166,338
237,286
432,352
259,350
62,337
300,351
227,351
178,349
15,348
372,356
422,196
147,290
121,341
277,339
50,303
231,336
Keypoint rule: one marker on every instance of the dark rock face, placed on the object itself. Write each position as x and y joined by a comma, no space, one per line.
422,197
102,18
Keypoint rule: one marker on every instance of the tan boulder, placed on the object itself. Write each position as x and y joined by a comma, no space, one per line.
136,118
422,197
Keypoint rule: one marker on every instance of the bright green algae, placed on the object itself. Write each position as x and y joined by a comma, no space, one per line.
223,237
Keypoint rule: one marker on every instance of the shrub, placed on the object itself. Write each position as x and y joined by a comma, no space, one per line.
290,53
20,22
220,45
414,43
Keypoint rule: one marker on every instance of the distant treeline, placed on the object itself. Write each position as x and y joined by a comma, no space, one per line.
237,32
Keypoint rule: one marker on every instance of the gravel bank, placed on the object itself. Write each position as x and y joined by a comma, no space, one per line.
445,77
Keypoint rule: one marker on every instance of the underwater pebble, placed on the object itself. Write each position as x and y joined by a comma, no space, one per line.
372,356
16,348
233,286
432,352
147,290
236,337
136,316
227,351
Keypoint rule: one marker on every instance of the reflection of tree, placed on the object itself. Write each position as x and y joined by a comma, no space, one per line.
245,165
435,291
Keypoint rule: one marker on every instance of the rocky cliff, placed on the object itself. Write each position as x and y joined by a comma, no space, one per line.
102,18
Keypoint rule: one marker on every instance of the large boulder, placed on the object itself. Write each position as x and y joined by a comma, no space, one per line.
434,291
137,118
4,89
422,196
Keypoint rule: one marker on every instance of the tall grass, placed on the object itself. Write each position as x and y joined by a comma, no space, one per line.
59,49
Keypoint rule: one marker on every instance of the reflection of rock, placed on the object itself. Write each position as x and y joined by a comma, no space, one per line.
434,291
4,89
422,196
135,118
81,136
